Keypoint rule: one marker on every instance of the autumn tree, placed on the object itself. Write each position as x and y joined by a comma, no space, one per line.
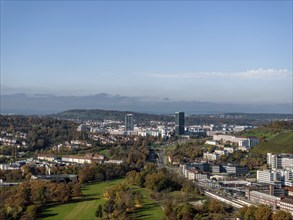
263,212
282,215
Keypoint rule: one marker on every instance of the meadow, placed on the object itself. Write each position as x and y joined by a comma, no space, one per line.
84,208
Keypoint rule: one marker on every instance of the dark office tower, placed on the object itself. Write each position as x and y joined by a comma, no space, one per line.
129,122
179,123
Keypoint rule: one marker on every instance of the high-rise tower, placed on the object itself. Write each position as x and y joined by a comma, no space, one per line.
129,122
179,123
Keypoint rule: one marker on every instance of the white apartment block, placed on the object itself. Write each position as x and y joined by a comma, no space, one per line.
280,161
267,176
76,159
241,141
271,176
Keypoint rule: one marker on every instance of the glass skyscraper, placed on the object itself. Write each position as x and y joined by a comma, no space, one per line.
179,123
129,122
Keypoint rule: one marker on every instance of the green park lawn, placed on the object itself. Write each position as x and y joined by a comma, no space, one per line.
84,208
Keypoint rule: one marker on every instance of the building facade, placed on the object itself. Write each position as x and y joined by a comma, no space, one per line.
179,123
129,126
280,161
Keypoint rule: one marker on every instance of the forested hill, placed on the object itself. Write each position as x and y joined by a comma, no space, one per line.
100,115
227,118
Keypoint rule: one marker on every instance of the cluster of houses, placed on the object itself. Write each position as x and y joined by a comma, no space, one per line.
10,139
71,145
222,140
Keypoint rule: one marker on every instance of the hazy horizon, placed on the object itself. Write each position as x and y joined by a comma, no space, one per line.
48,103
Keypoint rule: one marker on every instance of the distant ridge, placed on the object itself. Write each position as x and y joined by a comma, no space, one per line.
44,104
228,118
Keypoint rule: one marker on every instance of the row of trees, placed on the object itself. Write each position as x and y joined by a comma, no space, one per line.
209,209
187,151
262,212
25,201
121,201
159,180
101,172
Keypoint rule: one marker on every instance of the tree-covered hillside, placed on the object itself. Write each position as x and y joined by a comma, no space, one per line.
142,118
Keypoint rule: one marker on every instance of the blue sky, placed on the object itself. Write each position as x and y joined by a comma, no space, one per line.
220,51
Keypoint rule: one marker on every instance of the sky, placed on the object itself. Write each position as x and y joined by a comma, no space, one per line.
215,51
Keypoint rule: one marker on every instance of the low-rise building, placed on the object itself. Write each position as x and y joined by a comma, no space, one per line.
263,198
9,166
247,142
210,156
56,178
47,157
236,170
212,142
88,158
113,161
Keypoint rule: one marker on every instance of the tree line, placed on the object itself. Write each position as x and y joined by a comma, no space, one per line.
121,202
27,199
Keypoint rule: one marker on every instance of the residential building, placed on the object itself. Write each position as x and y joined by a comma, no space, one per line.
247,142
280,161
267,176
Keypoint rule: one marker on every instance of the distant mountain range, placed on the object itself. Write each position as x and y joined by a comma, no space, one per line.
47,104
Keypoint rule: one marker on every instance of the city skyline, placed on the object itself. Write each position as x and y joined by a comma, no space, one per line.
230,52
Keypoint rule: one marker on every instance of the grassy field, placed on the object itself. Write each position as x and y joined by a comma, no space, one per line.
280,143
150,210
261,132
84,208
